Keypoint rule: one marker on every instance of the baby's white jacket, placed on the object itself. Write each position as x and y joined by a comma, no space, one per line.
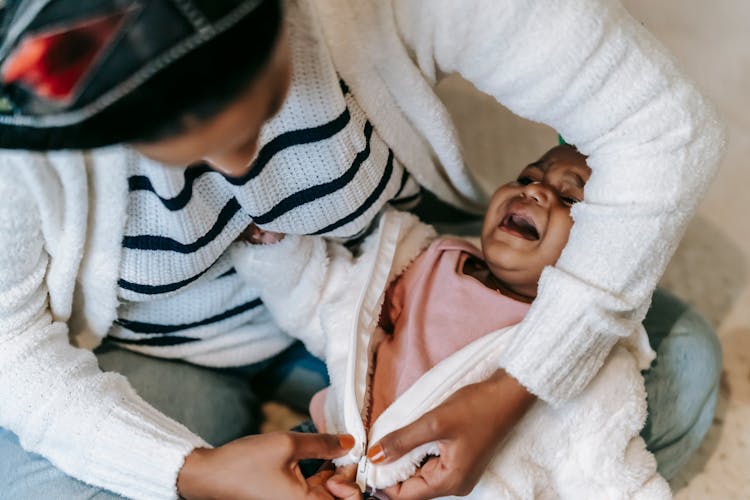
589,447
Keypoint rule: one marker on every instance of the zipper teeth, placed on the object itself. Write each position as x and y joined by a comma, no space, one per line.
368,402
365,411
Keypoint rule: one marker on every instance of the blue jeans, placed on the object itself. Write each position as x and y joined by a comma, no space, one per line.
220,405
682,384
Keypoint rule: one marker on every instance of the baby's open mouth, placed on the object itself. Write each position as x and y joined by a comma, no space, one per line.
520,225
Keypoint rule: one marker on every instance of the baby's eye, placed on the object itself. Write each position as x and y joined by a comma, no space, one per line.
569,200
524,180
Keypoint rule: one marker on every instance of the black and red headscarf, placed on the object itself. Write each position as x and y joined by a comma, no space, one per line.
86,73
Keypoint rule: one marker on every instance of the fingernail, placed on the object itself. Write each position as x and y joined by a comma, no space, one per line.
346,441
376,454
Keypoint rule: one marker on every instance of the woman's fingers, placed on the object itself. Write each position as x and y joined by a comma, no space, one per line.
260,466
319,478
414,488
429,427
434,479
468,427
322,446
341,484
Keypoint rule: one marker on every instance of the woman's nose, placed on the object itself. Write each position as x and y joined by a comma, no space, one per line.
537,192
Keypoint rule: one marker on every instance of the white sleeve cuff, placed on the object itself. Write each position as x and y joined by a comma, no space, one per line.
566,335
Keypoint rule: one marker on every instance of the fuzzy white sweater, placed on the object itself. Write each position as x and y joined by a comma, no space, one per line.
587,448
584,67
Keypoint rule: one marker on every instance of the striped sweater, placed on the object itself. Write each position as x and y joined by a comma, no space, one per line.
322,168
584,67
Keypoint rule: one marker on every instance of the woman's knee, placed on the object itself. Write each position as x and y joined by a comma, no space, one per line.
25,475
682,383
685,343
214,404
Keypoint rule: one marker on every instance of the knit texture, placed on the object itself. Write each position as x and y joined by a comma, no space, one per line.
90,424
582,66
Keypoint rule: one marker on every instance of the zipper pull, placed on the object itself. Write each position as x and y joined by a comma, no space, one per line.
362,474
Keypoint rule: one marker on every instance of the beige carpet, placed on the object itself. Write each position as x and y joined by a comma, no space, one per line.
710,269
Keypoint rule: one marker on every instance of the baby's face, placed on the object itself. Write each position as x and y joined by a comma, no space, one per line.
528,221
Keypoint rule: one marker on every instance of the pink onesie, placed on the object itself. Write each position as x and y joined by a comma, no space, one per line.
431,311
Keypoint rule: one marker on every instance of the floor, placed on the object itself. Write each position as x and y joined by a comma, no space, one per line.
710,269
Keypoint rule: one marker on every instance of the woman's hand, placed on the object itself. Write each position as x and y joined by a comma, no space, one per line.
259,467
342,483
468,428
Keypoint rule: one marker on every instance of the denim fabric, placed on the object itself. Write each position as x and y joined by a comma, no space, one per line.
682,383
217,404
221,405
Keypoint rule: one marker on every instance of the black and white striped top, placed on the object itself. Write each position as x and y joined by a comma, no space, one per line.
321,169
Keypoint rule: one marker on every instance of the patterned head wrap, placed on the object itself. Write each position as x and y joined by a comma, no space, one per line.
86,73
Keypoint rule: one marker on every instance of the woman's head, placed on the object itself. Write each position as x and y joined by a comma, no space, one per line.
80,75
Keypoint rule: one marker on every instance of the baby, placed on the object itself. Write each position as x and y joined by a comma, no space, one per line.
414,317
454,293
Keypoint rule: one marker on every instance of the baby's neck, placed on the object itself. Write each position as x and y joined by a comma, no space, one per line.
477,268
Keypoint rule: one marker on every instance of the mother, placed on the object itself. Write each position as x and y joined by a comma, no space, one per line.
114,243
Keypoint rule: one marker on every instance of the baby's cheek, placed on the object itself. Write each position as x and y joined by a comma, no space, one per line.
557,238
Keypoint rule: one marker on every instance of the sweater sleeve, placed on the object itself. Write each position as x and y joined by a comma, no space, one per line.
590,71
297,278
91,425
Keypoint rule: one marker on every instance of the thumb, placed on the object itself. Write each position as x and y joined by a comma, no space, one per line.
401,441
323,446
341,484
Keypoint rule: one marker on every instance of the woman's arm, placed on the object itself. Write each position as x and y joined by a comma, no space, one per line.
91,425
589,70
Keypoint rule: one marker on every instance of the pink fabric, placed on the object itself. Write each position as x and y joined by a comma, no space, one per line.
316,410
432,310
435,310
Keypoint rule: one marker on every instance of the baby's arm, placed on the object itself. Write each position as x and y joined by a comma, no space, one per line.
257,236
296,277
305,280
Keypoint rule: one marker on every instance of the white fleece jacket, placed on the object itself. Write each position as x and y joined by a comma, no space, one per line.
585,67
587,448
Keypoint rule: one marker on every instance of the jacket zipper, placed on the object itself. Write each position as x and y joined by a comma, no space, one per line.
364,463
365,411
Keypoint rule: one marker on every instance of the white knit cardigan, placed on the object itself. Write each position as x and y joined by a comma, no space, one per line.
584,67
587,448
